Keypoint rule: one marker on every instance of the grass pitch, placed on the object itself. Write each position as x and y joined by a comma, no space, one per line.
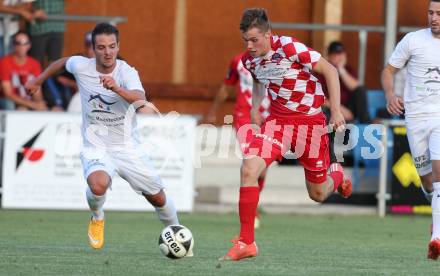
55,243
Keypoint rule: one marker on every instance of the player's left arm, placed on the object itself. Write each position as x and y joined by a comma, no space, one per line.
332,79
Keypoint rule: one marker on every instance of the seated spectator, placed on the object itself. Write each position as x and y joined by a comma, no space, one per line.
353,96
58,91
10,26
15,70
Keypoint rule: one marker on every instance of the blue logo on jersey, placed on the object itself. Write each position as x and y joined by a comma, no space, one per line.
276,57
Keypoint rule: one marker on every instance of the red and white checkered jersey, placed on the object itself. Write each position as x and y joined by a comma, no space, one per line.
286,73
241,78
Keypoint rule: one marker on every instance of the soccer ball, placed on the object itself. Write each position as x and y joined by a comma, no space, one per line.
176,241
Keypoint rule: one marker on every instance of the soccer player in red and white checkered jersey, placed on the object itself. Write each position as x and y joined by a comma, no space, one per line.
283,66
239,79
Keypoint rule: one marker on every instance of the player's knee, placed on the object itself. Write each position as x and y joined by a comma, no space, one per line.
99,186
317,195
98,183
435,176
427,179
157,200
98,189
249,174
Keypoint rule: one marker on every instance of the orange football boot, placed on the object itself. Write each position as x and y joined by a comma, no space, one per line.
240,250
434,249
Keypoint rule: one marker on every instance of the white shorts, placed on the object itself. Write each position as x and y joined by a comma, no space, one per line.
424,142
136,169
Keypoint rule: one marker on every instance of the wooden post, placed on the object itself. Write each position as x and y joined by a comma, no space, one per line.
179,54
326,12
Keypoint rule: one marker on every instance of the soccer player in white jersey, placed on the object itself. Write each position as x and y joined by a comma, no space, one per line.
420,52
110,91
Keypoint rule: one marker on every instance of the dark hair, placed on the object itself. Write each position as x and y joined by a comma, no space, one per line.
104,28
20,33
335,47
437,1
255,17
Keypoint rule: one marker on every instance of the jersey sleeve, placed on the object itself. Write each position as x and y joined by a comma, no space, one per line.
5,72
298,52
75,63
232,76
131,80
401,53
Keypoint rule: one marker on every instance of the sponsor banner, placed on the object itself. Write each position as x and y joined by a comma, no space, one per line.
42,168
406,195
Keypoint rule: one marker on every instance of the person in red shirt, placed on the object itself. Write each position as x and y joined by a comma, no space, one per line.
15,70
239,79
283,67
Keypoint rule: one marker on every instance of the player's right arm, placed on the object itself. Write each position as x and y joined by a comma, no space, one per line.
258,94
398,59
394,103
34,85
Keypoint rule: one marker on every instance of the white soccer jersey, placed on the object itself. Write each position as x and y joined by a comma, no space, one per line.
421,52
106,120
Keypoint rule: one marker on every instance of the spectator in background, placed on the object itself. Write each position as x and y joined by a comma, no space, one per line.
88,46
15,70
58,91
75,102
353,96
47,36
10,26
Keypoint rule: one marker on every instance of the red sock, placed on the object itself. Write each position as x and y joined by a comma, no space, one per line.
261,182
337,174
249,197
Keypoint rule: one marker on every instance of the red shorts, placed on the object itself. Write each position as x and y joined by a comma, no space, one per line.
306,136
245,132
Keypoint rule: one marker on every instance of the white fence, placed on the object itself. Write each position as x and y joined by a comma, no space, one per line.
42,169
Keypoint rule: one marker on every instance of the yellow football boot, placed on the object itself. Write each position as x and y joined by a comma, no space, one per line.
96,233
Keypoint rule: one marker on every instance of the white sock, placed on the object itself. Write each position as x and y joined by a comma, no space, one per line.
167,214
428,196
435,204
95,203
